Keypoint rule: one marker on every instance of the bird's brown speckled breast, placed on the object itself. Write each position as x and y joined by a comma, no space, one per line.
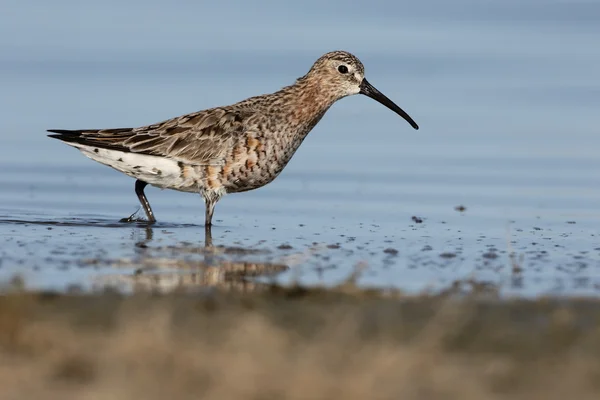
260,155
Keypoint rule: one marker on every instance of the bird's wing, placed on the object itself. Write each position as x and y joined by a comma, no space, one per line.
198,138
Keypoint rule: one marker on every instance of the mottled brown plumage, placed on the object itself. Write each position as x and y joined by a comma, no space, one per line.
228,149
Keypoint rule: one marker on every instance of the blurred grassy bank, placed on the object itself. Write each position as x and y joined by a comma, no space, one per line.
295,343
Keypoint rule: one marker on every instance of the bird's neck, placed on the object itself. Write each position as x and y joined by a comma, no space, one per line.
296,108
301,104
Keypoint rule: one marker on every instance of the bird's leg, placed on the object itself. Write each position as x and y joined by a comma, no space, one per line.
139,190
210,209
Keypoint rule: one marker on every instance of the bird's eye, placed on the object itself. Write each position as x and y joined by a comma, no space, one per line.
343,69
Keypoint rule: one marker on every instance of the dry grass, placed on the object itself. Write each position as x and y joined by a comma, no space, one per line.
296,344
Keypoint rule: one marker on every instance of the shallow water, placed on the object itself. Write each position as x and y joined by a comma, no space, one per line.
506,96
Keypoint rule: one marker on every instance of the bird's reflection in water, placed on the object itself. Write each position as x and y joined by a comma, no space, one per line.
207,236
186,266
149,235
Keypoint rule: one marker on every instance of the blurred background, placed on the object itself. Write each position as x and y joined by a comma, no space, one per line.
506,94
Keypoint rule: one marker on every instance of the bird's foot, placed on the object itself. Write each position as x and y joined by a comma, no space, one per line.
133,218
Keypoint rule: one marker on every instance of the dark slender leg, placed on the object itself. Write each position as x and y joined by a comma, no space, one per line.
139,190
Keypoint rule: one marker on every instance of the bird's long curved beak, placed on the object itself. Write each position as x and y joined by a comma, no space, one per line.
368,90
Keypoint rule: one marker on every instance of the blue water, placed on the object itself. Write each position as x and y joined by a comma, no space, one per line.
506,94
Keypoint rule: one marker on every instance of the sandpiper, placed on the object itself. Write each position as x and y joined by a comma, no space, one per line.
227,149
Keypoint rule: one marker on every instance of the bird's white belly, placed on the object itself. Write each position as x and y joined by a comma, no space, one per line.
157,171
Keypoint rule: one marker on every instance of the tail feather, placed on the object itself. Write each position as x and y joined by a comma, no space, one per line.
69,132
70,136
65,134
91,137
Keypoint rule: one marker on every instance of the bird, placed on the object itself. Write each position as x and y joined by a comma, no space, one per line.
228,149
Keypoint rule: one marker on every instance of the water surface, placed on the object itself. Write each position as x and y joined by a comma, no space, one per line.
506,96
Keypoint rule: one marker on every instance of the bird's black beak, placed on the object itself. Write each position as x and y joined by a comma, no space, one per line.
368,90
